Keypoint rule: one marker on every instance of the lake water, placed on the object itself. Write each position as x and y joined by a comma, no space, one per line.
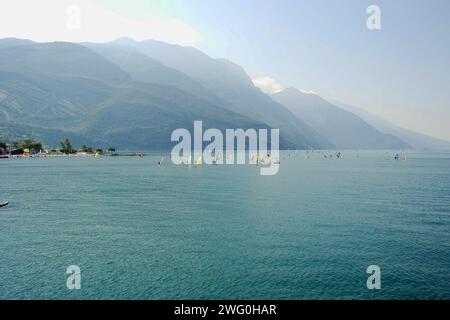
138,231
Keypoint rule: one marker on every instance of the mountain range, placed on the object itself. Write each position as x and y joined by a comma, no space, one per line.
131,94
342,128
414,139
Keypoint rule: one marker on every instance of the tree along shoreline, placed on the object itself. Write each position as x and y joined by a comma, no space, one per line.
29,147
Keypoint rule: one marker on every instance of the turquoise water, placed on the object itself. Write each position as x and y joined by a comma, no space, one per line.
225,232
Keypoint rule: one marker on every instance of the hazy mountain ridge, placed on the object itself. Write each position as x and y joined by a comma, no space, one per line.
415,139
68,60
142,68
344,129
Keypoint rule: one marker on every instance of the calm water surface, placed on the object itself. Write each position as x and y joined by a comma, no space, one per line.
225,232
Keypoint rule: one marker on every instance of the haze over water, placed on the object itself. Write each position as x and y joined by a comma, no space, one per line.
139,231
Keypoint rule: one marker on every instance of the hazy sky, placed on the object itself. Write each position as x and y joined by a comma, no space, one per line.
400,72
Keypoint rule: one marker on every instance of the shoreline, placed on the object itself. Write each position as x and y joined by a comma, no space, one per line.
73,155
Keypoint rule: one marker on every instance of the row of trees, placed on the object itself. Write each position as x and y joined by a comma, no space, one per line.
24,144
65,147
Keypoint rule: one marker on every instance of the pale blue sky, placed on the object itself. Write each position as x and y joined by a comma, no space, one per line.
399,72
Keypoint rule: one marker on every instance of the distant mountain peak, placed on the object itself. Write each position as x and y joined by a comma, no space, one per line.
294,93
14,42
290,89
293,90
125,41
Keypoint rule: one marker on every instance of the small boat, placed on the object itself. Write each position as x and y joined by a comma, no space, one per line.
3,203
